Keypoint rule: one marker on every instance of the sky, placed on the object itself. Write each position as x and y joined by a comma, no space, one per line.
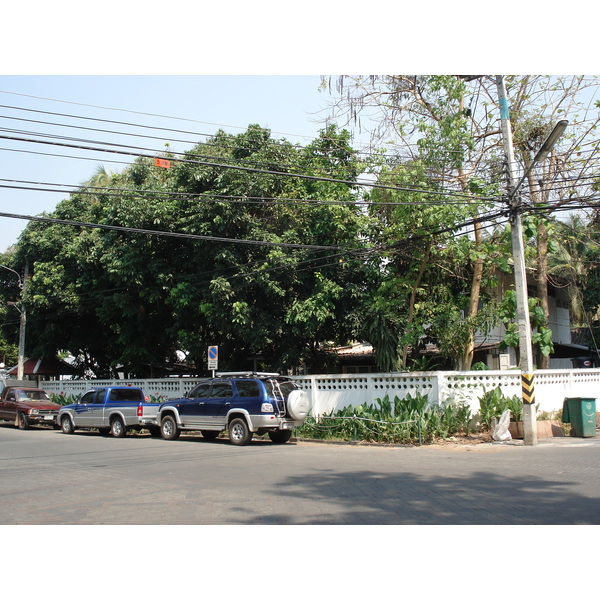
292,106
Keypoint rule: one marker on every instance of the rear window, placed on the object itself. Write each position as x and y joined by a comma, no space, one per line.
247,389
126,394
278,387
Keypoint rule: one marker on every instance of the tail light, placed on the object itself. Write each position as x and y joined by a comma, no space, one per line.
140,411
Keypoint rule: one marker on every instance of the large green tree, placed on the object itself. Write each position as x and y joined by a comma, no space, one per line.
259,257
451,123
430,125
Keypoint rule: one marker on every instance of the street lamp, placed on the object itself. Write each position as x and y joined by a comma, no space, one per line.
23,321
525,347
543,152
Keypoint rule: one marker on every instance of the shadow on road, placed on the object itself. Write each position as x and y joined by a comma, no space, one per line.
482,498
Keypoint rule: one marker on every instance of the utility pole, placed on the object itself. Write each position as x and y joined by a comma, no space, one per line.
23,322
525,348
23,318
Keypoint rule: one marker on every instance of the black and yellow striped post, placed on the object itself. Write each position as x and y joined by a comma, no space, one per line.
529,412
527,388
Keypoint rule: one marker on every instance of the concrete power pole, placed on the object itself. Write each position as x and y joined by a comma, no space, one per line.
525,348
20,306
22,327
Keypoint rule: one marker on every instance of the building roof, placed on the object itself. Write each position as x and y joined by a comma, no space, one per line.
357,349
44,366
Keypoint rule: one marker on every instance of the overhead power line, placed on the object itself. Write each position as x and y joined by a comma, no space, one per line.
137,112
173,234
122,150
169,130
202,197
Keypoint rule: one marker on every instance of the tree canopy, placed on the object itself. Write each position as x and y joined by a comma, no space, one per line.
260,262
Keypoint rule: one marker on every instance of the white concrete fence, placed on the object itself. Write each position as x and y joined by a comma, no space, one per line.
333,392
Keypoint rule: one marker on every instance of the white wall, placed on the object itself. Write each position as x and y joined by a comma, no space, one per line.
333,392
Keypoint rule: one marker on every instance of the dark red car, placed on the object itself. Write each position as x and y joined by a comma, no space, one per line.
25,406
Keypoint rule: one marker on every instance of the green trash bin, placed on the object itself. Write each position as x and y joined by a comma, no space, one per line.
581,413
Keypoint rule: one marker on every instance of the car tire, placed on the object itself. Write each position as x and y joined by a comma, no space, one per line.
281,436
169,429
298,405
239,433
66,425
117,428
209,434
22,422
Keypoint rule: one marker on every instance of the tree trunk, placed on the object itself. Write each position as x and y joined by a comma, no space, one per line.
542,284
413,298
541,277
467,358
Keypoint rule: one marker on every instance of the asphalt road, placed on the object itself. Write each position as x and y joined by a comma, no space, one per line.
47,477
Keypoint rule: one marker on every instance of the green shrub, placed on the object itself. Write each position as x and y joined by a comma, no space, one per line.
493,403
408,420
515,405
156,399
63,399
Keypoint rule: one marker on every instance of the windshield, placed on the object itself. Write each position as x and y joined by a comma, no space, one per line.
38,395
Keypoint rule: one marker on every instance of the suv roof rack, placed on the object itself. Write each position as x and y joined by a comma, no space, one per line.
246,374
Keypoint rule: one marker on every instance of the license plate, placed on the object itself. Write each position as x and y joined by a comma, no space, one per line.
288,426
48,417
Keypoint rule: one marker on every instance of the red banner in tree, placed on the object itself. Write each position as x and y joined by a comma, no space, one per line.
162,162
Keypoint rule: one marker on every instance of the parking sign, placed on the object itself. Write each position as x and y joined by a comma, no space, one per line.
213,357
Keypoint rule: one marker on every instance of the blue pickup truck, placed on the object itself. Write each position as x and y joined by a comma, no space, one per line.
244,403
111,410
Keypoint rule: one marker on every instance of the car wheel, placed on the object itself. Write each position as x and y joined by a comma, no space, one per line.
281,436
67,425
169,429
210,435
22,422
239,434
117,428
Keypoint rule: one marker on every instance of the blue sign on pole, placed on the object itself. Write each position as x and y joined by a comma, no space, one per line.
213,357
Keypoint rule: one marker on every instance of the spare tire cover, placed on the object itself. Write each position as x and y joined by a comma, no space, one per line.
298,405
